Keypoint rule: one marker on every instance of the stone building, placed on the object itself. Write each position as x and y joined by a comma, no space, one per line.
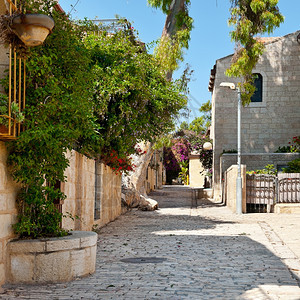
271,120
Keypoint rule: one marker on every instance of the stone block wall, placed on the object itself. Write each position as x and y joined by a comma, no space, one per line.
154,173
8,210
90,184
196,176
110,195
265,125
80,190
230,187
256,161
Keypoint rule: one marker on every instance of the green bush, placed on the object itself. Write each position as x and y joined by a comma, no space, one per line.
97,95
293,166
268,169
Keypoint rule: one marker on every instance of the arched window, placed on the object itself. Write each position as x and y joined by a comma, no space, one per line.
258,83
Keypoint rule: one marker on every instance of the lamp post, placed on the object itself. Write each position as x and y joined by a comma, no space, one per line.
239,177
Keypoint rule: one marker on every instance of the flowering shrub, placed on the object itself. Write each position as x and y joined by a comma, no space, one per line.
180,149
116,162
294,146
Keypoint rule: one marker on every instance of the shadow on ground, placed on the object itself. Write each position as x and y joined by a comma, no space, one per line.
189,257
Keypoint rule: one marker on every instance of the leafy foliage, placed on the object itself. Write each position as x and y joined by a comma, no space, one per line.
170,48
250,18
133,100
294,146
293,166
99,95
58,117
268,169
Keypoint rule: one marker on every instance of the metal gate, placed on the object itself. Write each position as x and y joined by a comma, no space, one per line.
260,192
263,191
288,188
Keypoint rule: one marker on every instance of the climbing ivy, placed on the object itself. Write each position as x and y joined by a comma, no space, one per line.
250,18
133,101
174,38
99,95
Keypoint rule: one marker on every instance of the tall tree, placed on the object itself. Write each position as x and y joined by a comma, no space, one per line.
250,18
176,32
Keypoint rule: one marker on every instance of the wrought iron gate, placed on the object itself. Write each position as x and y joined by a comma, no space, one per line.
288,188
260,192
263,191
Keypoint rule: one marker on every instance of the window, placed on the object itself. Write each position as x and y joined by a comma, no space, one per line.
258,83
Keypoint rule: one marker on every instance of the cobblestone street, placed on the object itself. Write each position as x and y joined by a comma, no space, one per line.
179,252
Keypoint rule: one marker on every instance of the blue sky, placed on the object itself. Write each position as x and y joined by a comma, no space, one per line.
210,38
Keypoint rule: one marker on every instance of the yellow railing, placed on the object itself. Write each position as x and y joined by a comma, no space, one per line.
10,126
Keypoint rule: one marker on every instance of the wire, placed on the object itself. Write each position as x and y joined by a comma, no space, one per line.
73,7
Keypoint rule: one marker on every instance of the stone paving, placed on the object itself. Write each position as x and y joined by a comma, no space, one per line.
179,252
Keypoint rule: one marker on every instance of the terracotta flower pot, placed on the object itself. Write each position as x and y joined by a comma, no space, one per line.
32,29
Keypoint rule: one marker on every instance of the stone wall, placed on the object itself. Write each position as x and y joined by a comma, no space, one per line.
196,177
230,187
154,172
255,161
53,259
266,125
8,211
90,184
110,195
80,201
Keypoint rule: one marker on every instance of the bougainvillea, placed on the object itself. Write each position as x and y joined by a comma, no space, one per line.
116,162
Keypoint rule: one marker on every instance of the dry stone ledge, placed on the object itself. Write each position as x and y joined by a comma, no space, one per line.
52,260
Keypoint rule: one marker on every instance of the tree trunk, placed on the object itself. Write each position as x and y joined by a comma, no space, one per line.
170,27
133,185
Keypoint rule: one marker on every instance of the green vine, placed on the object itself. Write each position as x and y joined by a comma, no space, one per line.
98,94
250,18
169,50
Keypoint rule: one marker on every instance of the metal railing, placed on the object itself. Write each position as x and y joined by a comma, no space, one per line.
10,127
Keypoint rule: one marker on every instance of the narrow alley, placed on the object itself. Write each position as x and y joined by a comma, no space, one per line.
184,252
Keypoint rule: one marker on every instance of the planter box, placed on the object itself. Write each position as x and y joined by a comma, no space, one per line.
52,260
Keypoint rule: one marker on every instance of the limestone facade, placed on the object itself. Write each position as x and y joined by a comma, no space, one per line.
230,177
93,193
53,259
93,199
196,171
265,125
155,177
8,210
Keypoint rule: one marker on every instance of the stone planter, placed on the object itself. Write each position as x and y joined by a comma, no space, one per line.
32,29
52,260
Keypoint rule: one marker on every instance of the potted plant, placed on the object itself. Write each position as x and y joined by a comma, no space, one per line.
32,29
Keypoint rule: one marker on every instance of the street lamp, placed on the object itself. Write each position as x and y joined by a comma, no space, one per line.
239,178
